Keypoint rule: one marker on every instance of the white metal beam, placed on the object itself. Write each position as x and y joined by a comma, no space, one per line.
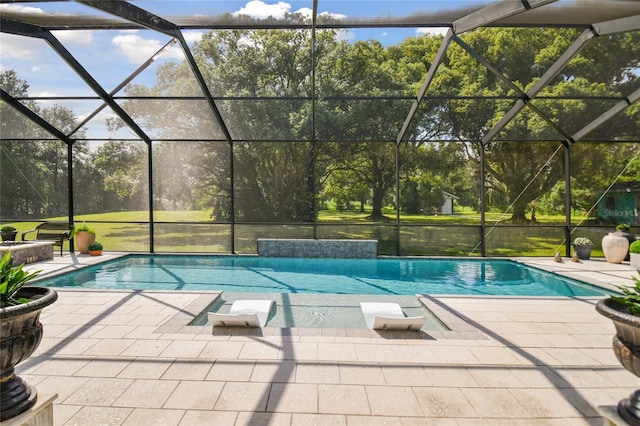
495,12
620,106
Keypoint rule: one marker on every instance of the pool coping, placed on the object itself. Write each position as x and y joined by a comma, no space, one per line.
596,272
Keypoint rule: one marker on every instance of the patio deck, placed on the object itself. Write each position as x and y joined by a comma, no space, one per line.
124,358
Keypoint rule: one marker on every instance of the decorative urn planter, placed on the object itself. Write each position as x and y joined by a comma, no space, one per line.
83,239
615,247
20,335
626,346
9,235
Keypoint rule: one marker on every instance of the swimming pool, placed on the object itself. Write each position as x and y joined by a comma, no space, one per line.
382,276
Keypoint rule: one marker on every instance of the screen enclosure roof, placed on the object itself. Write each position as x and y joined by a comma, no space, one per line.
172,21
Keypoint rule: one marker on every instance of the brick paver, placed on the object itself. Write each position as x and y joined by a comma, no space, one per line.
128,358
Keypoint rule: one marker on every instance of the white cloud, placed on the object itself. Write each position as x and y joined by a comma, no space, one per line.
22,48
79,37
433,30
192,36
137,49
260,10
337,16
345,35
306,12
21,9
45,94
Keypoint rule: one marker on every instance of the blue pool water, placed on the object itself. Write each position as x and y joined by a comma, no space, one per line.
393,276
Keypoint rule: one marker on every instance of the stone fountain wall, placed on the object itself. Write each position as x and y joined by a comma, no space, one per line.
284,247
28,251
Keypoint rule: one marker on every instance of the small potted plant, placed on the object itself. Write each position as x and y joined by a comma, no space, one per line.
624,311
634,255
95,248
8,233
583,246
20,307
84,236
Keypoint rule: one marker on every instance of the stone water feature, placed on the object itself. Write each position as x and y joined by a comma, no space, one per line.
329,248
27,251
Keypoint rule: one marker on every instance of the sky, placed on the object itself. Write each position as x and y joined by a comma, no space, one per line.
111,56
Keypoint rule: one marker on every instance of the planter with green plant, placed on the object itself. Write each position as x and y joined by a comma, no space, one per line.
634,255
95,248
624,311
583,246
20,333
84,235
8,233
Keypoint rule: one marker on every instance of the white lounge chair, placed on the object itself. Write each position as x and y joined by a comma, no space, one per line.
389,316
243,313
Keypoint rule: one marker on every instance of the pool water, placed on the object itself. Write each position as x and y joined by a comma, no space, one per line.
325,310
382,276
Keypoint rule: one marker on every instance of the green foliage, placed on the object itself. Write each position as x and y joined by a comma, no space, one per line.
95,246
8,228
12,279
34,173
347,156
83,227
631,297
624,227
635,247
120,165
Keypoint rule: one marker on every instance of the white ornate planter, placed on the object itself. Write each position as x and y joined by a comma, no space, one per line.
615,247
635,260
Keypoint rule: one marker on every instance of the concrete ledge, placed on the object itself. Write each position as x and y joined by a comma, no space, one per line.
41,414
353,249
610,416
28,251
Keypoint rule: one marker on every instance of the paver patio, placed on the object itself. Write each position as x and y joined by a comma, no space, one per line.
128,358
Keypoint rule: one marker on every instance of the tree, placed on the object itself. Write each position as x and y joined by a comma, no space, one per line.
358,69
272,181
524,171
34,172
122,167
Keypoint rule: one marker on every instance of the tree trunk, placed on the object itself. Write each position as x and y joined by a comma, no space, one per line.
376,203
518,215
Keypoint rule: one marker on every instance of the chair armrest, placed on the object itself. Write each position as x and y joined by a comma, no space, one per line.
26,232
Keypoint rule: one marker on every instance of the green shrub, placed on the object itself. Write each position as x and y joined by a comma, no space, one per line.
95,246
635,247
8,228
631,297
83,227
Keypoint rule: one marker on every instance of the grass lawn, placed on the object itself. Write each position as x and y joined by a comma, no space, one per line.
194,232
